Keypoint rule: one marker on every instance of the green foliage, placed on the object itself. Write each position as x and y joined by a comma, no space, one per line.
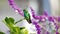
13,28
24,31
1,32
9,22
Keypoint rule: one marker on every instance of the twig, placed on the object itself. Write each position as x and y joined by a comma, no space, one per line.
19,21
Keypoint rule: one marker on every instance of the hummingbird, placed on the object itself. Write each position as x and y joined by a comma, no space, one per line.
27,15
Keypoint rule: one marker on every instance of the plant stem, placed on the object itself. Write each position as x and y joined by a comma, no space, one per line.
19,21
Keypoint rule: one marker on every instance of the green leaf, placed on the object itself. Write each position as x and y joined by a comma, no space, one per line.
15,30
1,32
9,22
24,31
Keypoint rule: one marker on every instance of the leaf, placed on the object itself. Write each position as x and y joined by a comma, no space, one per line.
24,31
15,30
2,33
9,22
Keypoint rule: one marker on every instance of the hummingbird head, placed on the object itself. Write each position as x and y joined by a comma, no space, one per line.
25,10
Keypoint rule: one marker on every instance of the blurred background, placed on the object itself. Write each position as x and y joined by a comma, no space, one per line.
51,6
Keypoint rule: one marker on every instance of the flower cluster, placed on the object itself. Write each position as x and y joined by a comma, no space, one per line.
11,2
41,18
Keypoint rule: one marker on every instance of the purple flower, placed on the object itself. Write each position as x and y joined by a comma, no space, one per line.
38,28
38,17
47,32
57,32
15,7
50,19
45,13
58,19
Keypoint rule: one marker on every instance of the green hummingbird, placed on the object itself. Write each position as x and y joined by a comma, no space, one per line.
27,15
